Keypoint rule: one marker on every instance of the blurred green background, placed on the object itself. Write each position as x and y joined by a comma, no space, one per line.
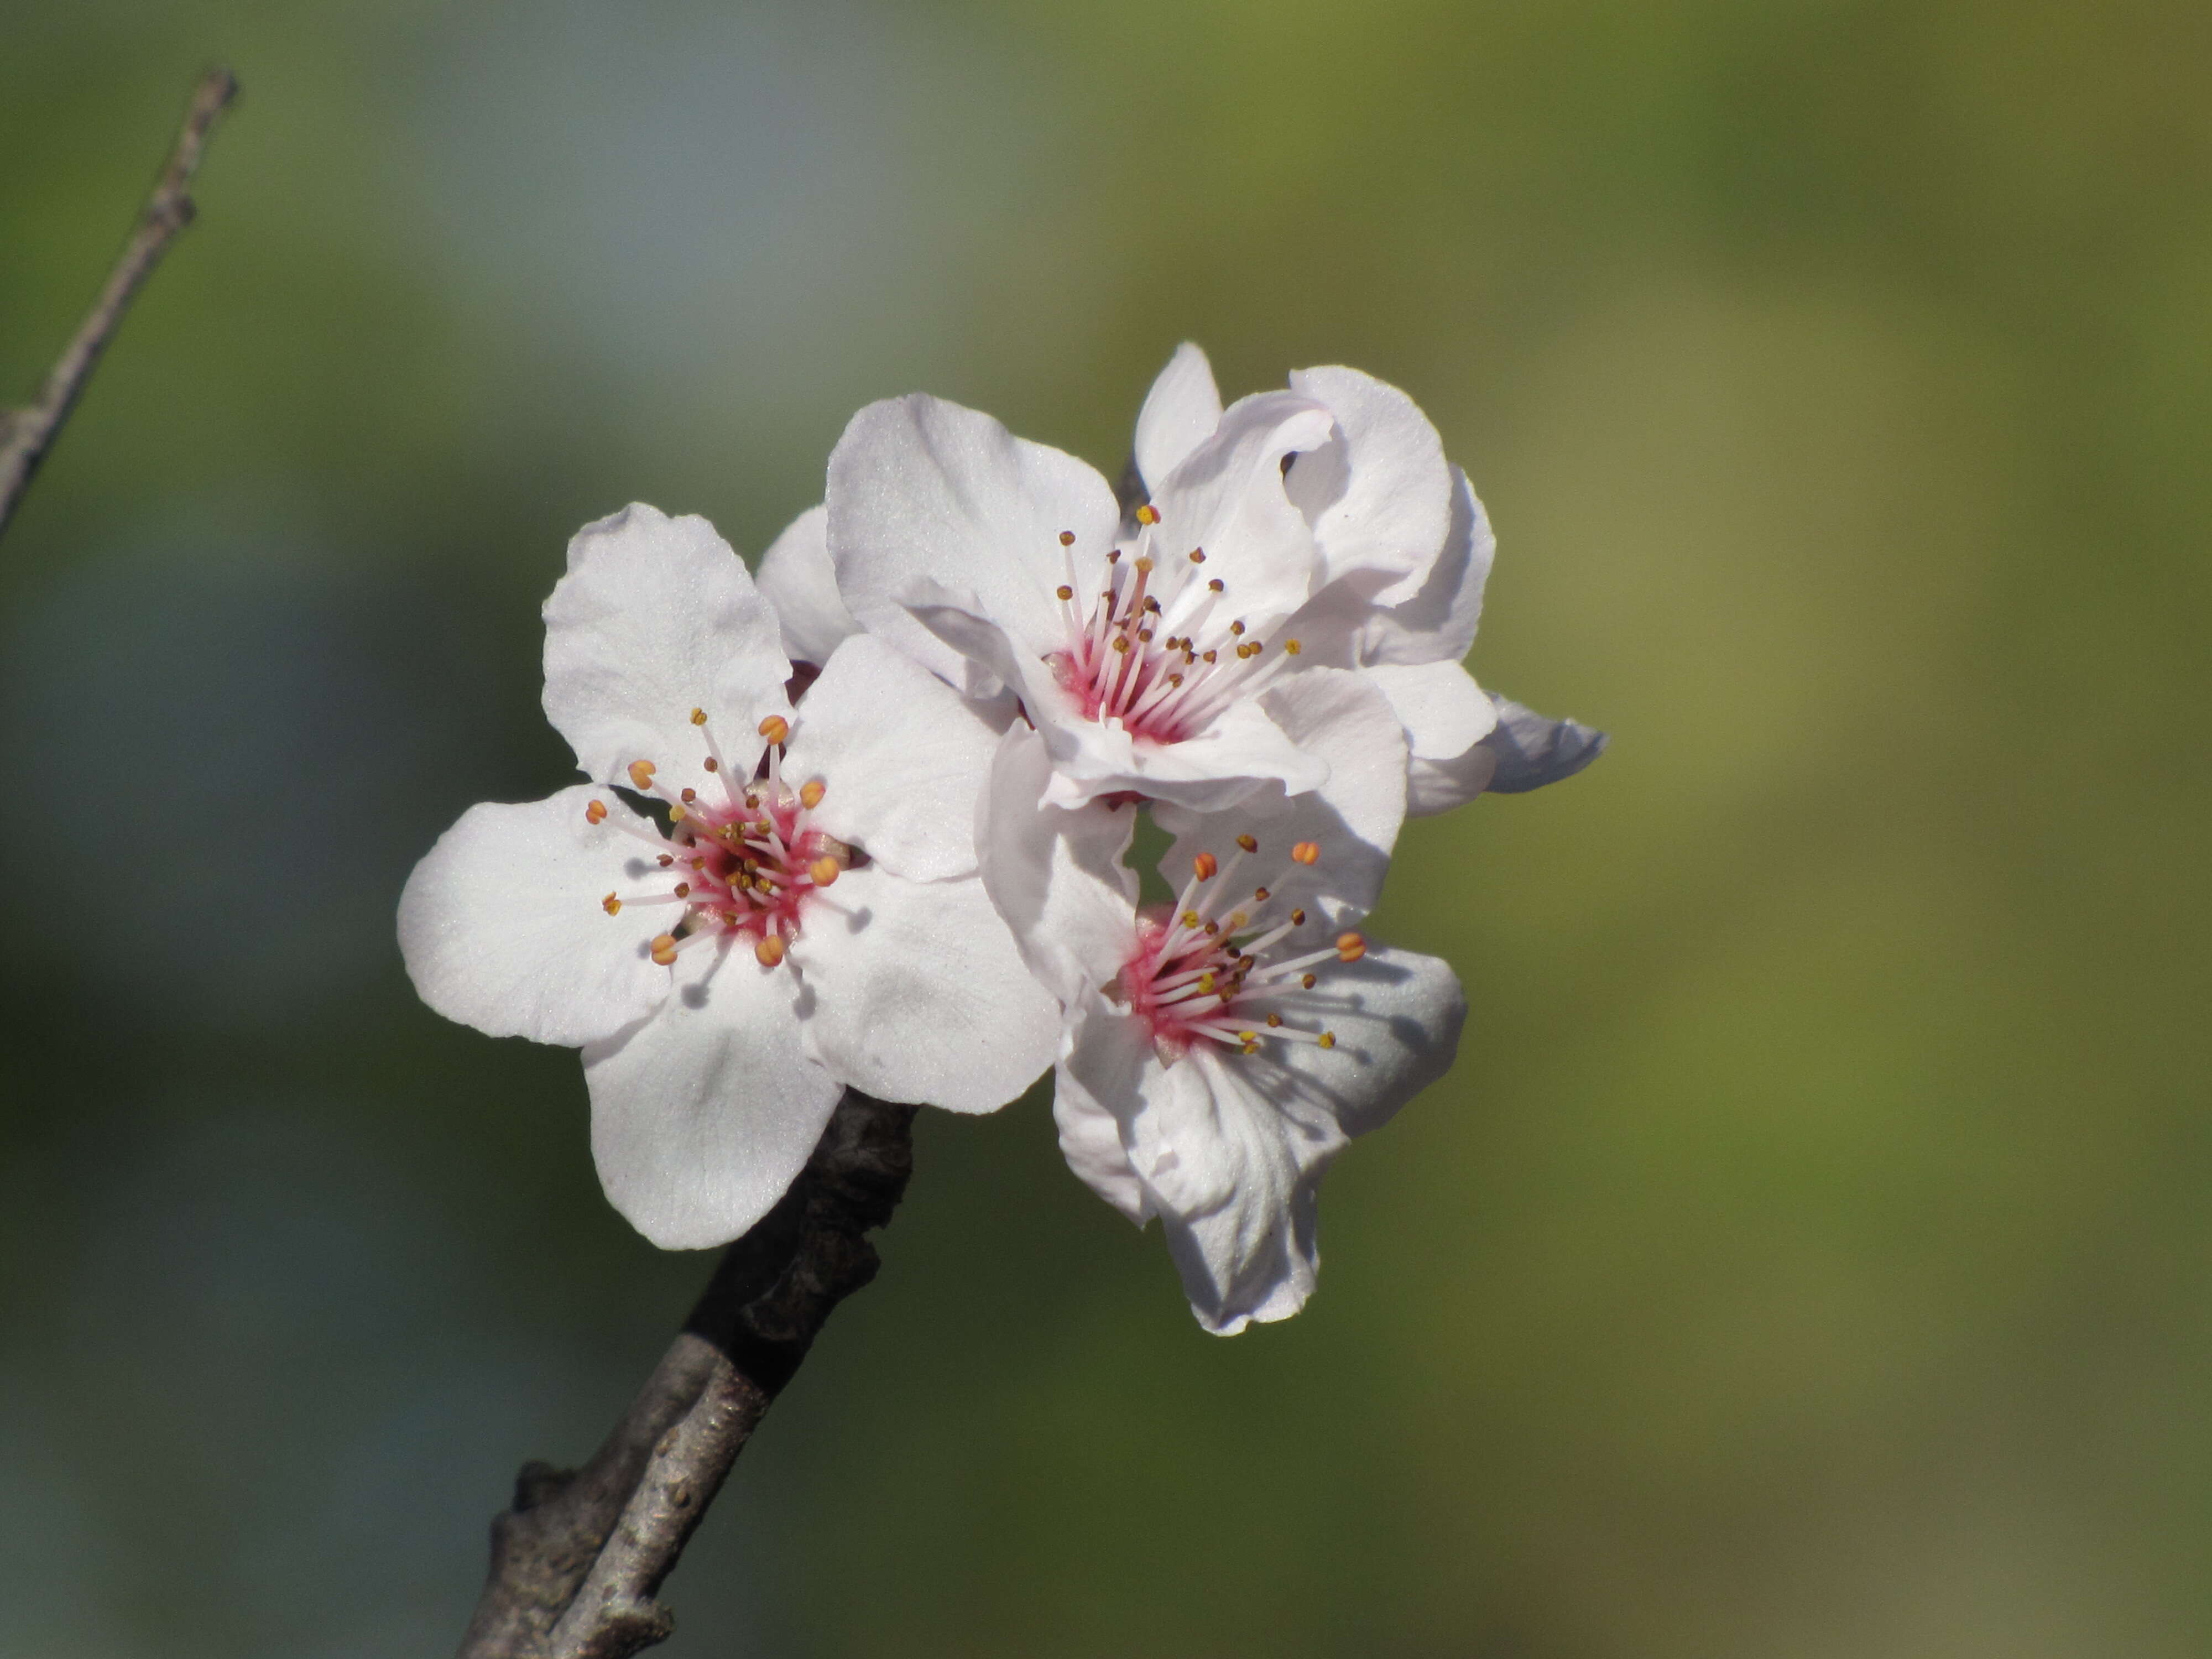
1810,1255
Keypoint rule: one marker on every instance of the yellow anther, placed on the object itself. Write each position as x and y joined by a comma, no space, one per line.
676,815
1350,947
1293,646
824,870
1204,865
1247,1038
775,728
612,905
1198,556
698,717
1067,538
1065,591
640,773
596,813
1144,566
663,949
1236,921
1328,1039
769,950
1148,514
1307,979
1190,918
1248,843
1205,983
1306,851
810,794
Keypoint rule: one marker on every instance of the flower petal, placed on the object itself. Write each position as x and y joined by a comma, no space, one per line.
936,505
1090,1135
1443,711
658,616
902,758
1243,750
703,1115
1438,786
503,928
1378,494
1179,413
1437,625
1533,751
798,579
1054,874
916,993
1226,497
1342,718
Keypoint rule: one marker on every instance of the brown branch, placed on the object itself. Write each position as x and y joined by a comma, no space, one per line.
27,433
578,1560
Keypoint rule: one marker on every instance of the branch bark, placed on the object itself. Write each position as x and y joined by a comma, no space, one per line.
27,433
578,1560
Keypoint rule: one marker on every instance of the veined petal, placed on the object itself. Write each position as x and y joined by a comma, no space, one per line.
934,505
1226,497
658,616
1116,1050
1341,719
1533,751
1055,874
915,993
1443,711
703,1115
1378,494
903,758
502,928
1242,751
1179,413
798,579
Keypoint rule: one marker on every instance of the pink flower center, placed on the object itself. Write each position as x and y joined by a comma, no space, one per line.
1201,972
748,865
1152,649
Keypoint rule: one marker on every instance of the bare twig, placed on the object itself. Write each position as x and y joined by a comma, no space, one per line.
578,1560
27,433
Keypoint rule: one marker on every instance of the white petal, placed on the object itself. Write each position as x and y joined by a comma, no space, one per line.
1533,751
902,756
915,993
798,579
1242,751
503,928
1179,413
1438,786
1342,718
1090,1135
1379,495
1443,711
703,1115
1056,874
658,616
1437,625
934,505
1227,498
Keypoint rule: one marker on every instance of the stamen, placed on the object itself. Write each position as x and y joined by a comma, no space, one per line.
810,794
1205,866
640,773
769,950
1250,845
775,728
612,905
824,870
596,813
1148,514
1306,851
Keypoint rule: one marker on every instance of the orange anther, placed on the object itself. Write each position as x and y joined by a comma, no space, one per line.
810,794
640,773
769,950
1204,866
1350,947
775,728
612,905
1306,851
663,949
596,813
824,870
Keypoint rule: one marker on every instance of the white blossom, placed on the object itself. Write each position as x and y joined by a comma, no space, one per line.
1221,1051
809,918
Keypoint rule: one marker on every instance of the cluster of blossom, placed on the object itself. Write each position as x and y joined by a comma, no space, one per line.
865,822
